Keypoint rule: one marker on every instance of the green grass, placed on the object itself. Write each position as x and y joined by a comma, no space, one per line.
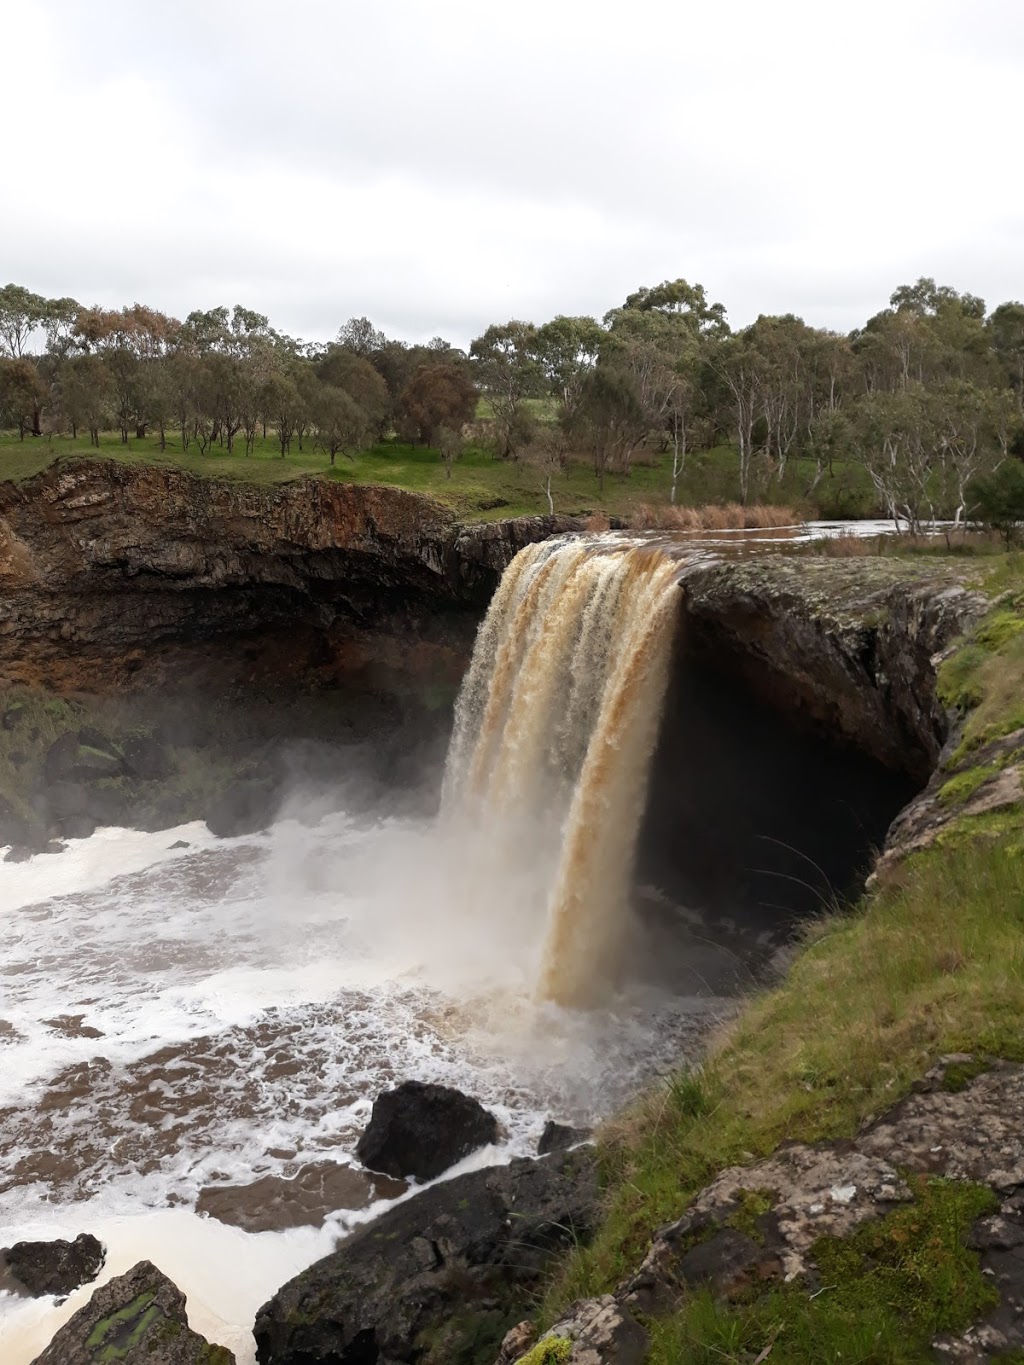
984,678
886,1292
930,962
477,477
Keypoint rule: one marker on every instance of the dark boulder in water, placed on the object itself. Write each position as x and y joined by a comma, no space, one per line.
53,1267
135,1318
244,808
557,1137
440,1277
420,1130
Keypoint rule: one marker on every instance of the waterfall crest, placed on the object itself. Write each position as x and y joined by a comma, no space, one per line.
554,728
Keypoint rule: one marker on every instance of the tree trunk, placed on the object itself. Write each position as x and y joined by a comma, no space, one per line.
140,430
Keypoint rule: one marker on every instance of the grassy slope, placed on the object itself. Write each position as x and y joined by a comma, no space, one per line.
476,477
930,962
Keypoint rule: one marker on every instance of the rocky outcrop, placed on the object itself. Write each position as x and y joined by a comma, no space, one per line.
593,1332
559,1137
848,644
105,568
134,1318
419,1130
450,1269
766,1223
57,1267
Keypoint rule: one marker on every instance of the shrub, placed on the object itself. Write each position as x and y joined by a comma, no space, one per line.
998,500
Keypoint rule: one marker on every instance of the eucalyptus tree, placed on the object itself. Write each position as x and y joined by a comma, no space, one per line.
361,337
358,377
610,420
21,313
439,395
83,394
678,299
22,394
1006,332
566,350
506,369
339,423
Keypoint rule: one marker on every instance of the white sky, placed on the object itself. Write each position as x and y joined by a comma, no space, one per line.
442,164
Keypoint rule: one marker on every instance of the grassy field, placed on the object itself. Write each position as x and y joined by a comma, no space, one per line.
930,962
477,477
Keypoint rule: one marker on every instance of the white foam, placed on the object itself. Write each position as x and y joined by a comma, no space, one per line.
86,864
307,969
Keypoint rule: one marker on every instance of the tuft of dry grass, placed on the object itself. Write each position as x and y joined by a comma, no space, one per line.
597,521
730,516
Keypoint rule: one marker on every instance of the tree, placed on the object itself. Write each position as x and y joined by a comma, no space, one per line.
360,336
282,401
22,393
449,443
610,419
348,370
1006,330
567,349
679,299
133,342
21,312
507,371
84,392
735,361
438,395
546,453
339,423
896,438
997,500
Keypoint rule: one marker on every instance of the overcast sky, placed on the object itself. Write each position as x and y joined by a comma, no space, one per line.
438,165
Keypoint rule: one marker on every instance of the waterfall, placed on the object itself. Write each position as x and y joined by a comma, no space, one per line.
554,728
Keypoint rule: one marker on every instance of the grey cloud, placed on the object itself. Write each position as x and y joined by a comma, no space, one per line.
441,166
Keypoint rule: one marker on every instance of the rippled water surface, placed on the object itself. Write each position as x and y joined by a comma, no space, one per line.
175,1019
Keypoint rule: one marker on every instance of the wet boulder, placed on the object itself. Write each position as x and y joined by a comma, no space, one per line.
558,1137
58,1267
419,1130
82,756
146,758
244,808
137,1319
438,1278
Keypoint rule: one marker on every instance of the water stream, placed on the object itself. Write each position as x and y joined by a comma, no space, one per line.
181,1014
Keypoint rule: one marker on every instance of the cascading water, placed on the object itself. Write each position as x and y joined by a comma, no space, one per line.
181,1014
554,729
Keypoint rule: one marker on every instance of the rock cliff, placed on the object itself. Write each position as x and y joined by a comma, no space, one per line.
107,570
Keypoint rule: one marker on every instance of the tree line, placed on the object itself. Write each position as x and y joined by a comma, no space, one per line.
928,396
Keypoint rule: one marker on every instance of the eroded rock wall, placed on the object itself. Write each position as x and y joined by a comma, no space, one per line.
107,567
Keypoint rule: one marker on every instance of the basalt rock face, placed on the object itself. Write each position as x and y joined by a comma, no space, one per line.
52,1267
137,1317
420,1130
438,1278
849,645
107,570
